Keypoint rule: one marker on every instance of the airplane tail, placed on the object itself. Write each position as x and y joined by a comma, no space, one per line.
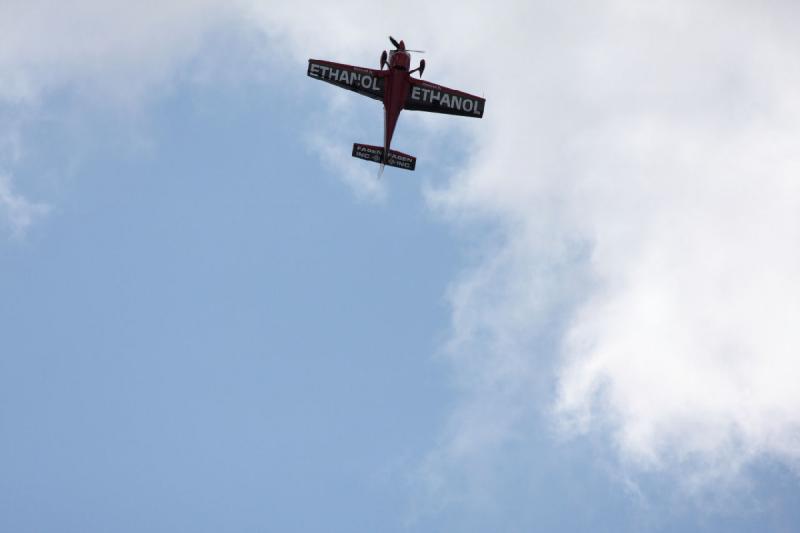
393,159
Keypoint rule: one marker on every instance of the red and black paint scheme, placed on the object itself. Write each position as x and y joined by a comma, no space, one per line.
397,90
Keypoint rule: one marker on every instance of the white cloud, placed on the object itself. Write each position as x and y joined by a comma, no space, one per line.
19,212
638,165
106,55
662,140
336,156
113,50
332,143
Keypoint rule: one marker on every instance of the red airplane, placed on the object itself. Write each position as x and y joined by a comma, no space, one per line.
398,91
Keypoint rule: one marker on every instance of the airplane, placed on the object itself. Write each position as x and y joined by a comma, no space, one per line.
397,90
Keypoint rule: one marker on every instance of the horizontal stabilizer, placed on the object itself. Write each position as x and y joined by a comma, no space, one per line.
375,153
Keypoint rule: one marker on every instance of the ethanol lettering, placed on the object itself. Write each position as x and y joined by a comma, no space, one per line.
351,78
446,100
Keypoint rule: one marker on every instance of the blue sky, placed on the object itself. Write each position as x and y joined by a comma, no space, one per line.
214,319
218,325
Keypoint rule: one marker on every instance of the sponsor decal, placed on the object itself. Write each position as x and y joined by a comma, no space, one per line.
401,161
368,152
454,102
358,79
375,153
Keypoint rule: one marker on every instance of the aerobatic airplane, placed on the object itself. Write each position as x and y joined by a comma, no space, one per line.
398,90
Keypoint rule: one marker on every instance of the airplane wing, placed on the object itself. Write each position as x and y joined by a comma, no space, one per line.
366,81
426,96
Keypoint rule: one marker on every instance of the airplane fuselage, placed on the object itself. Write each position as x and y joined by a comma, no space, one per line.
396,87
394,99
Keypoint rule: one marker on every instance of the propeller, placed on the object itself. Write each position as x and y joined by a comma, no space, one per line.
402,46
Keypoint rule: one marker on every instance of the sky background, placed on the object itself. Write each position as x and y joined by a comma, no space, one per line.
579,313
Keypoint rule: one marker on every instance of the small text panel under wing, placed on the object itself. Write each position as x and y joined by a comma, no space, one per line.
393,158
426,96
366,81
